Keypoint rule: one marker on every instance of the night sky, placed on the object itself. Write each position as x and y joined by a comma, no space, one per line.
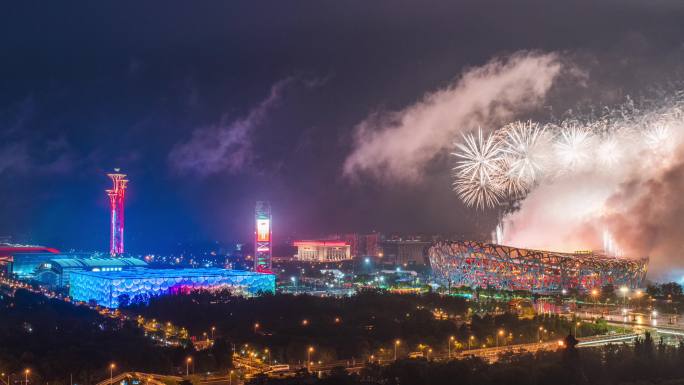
209,106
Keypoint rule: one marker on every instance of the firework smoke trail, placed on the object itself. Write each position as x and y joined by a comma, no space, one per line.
611,183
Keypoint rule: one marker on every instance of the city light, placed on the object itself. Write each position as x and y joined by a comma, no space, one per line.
308,358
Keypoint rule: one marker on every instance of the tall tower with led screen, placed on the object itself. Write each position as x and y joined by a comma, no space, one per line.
116,200
262,240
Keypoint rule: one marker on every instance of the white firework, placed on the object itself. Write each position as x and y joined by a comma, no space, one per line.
480,158
524,147
478,171
478,193
572,147
509,181
657,137
609,152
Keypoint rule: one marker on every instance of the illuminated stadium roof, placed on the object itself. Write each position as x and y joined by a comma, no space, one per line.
482,265
98,262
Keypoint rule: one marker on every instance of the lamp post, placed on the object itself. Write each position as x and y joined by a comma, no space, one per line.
470,340
213,329
187,366
308,358
539,333
230,378
111,372
268,352
256,326
451,340
26,373
576,326
624,290
396,345
500,333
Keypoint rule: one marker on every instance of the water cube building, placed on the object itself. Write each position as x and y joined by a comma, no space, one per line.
112,289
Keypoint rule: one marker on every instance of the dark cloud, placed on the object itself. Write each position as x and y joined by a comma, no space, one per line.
227,145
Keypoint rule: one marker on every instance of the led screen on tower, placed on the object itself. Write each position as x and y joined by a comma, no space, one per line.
263,230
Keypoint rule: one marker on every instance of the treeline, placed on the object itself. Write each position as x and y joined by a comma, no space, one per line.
352,327
58,342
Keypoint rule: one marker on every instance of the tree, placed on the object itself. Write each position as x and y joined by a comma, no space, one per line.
671,289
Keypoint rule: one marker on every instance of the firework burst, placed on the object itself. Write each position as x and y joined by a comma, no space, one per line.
524,149
507,164
572,148
478,170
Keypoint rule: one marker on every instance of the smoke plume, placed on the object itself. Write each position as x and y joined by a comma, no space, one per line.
398,145
226,145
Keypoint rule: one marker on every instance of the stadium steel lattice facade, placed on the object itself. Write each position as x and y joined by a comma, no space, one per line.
482,265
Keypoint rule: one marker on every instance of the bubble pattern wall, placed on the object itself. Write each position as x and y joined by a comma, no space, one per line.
111,289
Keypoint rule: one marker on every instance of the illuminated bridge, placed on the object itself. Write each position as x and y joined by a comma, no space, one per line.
483,265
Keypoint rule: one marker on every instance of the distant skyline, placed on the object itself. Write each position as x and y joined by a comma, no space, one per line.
341,114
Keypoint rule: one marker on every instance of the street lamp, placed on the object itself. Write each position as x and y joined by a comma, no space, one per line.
26,374
624,290
451,340
539,333
111,372
230,378
256,326
308,358
187,366
470,340
396,345
576,325
428,353
213,329
500,333
269,355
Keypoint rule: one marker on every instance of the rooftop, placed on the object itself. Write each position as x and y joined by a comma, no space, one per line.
98,262
167,273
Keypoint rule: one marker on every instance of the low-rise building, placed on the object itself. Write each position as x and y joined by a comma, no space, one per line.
322,251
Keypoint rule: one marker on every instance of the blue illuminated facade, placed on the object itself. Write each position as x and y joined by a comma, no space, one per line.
112,288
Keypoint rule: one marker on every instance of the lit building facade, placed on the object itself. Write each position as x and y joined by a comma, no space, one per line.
322,251
405,252
483,265
110,289
22,260
55,272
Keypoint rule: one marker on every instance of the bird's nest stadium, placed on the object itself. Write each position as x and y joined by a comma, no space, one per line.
483,265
